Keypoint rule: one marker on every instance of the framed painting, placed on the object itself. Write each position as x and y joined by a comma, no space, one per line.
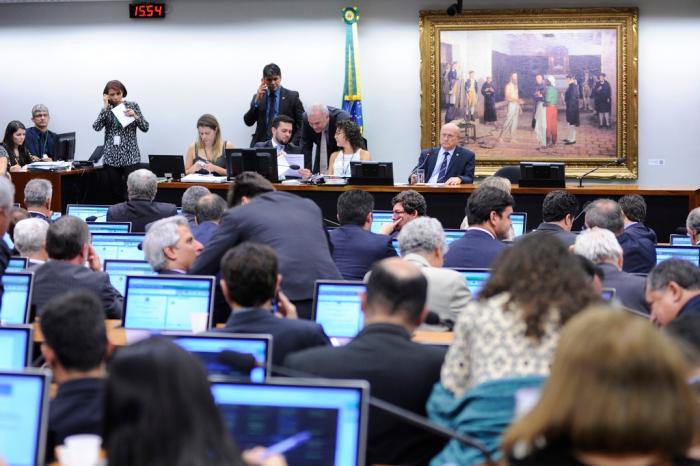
550,85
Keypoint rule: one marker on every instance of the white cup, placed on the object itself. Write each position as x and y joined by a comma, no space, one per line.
199,321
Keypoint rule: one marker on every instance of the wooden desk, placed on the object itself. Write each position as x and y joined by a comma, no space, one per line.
69,187
115,333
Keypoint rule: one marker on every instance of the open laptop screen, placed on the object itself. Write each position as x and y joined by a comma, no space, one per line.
689,253
476,279
326,419
118,245
119,269
452,234
519,220
379,218
87,211
166,303
16,264
109,227
16,298
337,309
680,240
15,347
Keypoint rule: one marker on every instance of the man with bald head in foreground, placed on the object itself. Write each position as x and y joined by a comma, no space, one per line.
449,163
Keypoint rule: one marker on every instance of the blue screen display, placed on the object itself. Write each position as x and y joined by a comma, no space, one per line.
85,211
16,264
118,270
689,253
519,225
14,344
476,279
118,245
680,240
104,227
379,218
338,309
21,403
15,299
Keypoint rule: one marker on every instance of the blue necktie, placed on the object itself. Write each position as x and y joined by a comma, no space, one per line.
442,174
271,110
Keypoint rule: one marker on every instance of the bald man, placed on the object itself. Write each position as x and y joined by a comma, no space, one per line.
448,164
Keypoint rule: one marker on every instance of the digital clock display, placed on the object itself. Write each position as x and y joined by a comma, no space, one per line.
147,10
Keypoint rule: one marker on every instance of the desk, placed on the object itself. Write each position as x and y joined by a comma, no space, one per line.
69,187
115,332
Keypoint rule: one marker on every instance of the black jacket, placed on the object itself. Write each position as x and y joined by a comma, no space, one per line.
290,105
309,137
140,213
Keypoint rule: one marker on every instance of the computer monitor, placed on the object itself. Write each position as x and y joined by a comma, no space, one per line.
166,302
167,166
379,218
372,173
396,246
16,342
452,234
208,347
109,227
118,269
607,294
542,175
326,419
118,245
55,216
16,299
519,221
476,279
17,264
261,160
336,307
65,146
89,213
689,253
680,240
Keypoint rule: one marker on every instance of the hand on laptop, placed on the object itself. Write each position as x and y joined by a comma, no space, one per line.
258,457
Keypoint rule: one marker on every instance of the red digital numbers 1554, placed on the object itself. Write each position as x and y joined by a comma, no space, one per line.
147,10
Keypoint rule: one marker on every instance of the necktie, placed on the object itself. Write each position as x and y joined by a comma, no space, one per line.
270,108
442,174
323,163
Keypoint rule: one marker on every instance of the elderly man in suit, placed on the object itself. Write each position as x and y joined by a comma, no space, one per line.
692,225
319,128
673,290
30,241
170,247
210,209
37,198
449,163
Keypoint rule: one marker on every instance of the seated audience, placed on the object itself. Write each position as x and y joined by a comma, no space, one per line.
250,282
282,130
559,209
289,224
37,198
399,371
423,244
673,290
692,225
406,206
495,182
594,273
170,247
206,154
69,249
17,214
30,241
634,210
41,141
189,203
489,212
639,251
601,247
449,163
351,149
13,153
210,209
637,408
7,195
355,247
506,340
140,209
318,129
75,348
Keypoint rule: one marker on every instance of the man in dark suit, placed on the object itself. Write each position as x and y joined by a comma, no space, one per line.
558,212
291,225
170,247
75,347
282,127
69,249
190,197
355,247
270,100
673,290
140,209
250,282
449,163
488,211
406,206
319,128
634,210
41,141
399,371
37,198
209,210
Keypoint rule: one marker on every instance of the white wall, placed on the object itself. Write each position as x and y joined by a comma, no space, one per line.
207,56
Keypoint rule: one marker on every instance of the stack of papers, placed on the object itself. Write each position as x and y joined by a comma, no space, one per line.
197,178
49,166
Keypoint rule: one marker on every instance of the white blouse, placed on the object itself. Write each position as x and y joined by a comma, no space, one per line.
341,165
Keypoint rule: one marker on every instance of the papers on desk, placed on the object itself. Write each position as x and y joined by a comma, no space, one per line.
48,166
121,117
285,161
197,178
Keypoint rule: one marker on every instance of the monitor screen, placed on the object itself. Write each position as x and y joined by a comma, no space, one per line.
163,303
16,347
109,227
119,269
607,294
689,253
16,264
55,216
118,245
337,309
519,220
476,279
680,240
65,147
24,408
208,346
85,211
16,298
452,234
326,420
395,245
379,218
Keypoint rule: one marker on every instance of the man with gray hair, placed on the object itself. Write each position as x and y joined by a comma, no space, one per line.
170,247
422,243
141,209
210,209
30,241
39,140
318,129
692,225
639,252
37,198
673,290
601,247
7,199
191,196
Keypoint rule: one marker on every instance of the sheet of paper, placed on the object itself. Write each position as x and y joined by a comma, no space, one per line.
119,113
283,163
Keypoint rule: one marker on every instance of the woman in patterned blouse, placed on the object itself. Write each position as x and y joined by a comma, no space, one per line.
121,149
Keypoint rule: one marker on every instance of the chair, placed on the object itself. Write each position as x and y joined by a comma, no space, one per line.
470,132
512,172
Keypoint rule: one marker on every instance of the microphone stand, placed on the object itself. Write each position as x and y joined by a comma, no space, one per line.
619,161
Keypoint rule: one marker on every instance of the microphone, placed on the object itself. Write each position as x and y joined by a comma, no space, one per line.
583,211
619,161
420,165
335,224
433,318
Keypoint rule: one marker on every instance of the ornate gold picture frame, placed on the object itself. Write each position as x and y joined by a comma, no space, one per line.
479,70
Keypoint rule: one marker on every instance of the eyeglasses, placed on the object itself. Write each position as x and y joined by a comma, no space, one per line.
396,213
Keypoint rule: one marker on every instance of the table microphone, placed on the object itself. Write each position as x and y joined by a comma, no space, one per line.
93,218
433,318
619,161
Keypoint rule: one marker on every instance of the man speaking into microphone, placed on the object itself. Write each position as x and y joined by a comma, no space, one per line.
448,164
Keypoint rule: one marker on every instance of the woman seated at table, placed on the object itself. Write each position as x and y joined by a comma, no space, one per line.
13,154
206,154
349,139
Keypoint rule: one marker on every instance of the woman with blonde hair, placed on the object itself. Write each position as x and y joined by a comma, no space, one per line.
206,154
617,396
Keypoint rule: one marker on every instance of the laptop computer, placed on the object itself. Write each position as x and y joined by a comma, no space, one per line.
208,347
109,227
95,213
118,269
680,240
167,166
476,279
17,264
689,253
519,221
118,245
379,218
452,234
16,342
16,300
166,302
325,419
336,307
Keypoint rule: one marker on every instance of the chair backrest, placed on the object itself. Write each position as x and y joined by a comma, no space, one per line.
512,172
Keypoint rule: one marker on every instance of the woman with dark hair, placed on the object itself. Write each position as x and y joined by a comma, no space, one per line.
349,139
206,154
13,155
121,154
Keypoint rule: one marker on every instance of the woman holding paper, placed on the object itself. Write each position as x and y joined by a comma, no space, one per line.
119,118
349,140
206,154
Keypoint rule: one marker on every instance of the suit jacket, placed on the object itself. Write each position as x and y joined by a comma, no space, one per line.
399,371
290,105
5,254
309,137
288,148
140,213
204,231
555,230
692,307
461,164
39,215
639,248
291,225
448,293
629,289
288,335
56,277
34,146
475,250
355,250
